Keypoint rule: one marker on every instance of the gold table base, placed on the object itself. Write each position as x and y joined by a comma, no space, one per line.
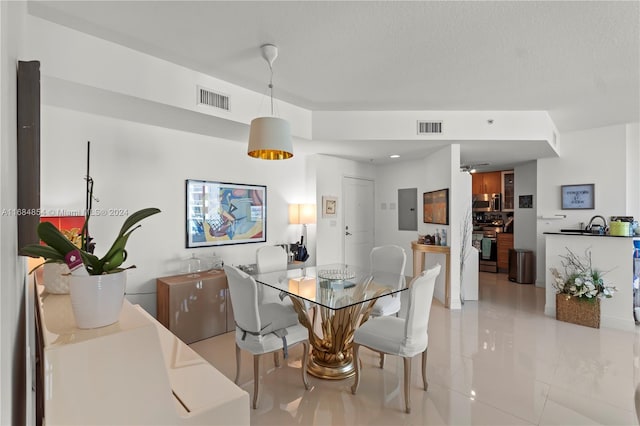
331,372
331,354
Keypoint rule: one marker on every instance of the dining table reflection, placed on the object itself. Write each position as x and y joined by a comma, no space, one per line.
331,301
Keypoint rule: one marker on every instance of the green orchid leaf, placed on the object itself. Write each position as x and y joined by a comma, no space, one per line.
54,238
137,217
37,250
114,256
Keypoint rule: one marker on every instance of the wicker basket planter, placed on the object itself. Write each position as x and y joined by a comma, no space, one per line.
578,311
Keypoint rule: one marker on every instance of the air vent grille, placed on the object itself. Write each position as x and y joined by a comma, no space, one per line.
212,99
429,127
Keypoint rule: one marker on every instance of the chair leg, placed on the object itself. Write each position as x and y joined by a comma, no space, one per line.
356,360
237,364
407,384
381,359
276,359
256,380
424,369
305,358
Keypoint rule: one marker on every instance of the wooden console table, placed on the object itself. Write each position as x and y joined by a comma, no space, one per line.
419,250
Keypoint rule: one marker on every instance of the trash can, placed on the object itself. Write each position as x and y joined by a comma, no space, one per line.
522,266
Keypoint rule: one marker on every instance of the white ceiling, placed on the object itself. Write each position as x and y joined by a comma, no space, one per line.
577,60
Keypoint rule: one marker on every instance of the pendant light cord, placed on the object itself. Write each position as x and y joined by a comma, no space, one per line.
271,86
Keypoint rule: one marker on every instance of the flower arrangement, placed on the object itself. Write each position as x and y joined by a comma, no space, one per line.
73,235
580,279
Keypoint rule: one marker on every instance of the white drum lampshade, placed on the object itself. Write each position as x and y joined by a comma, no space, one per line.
270,139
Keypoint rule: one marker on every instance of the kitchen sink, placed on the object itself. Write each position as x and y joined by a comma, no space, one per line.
579,231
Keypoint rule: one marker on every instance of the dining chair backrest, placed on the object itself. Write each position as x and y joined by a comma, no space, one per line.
270,259
244,298
389,258
420,297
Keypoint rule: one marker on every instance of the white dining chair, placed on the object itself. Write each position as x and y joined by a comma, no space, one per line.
398,336
388,258
271,259
636,397
262,328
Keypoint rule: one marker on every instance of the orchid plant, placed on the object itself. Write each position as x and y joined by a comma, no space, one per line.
57,245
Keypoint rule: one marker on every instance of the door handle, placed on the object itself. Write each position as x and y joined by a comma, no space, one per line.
347,233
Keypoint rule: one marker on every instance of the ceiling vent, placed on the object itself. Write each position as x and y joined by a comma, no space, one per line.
429,127
212,99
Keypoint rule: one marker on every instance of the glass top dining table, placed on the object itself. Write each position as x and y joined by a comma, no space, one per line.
331,302
333,286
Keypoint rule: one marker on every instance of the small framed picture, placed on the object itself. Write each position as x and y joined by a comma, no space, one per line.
525,201
329,206
575,197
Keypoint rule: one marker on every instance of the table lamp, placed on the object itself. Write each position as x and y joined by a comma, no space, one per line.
302,214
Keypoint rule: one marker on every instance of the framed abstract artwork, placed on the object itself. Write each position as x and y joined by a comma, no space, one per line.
435,206
220,213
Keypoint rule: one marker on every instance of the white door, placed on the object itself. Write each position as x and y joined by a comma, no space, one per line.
358,220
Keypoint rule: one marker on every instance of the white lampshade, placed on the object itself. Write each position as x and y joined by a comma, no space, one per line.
305,287
302,214
270,139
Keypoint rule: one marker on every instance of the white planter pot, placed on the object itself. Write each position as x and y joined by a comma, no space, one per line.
56,278
97,299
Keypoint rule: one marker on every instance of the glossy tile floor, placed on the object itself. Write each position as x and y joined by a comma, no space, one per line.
498,361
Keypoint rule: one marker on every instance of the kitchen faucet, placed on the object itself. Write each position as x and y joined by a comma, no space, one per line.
589,225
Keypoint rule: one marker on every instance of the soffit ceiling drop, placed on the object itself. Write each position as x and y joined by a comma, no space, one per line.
577,60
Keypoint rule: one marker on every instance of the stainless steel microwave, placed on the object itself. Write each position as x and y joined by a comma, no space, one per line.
487,202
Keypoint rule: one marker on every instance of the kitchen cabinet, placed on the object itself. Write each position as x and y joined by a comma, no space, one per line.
195,306
505,242
508,191
486,183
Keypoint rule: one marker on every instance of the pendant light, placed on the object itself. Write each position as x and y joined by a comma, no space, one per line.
270,137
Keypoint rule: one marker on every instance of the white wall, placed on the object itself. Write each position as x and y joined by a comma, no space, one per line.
389,179
135,166
524,236
329,173
437,171
13,395
597,156
633,170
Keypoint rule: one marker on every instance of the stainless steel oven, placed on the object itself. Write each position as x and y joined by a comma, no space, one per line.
487,202
489,249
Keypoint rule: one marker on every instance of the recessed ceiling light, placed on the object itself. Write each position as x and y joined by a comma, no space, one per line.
394,156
